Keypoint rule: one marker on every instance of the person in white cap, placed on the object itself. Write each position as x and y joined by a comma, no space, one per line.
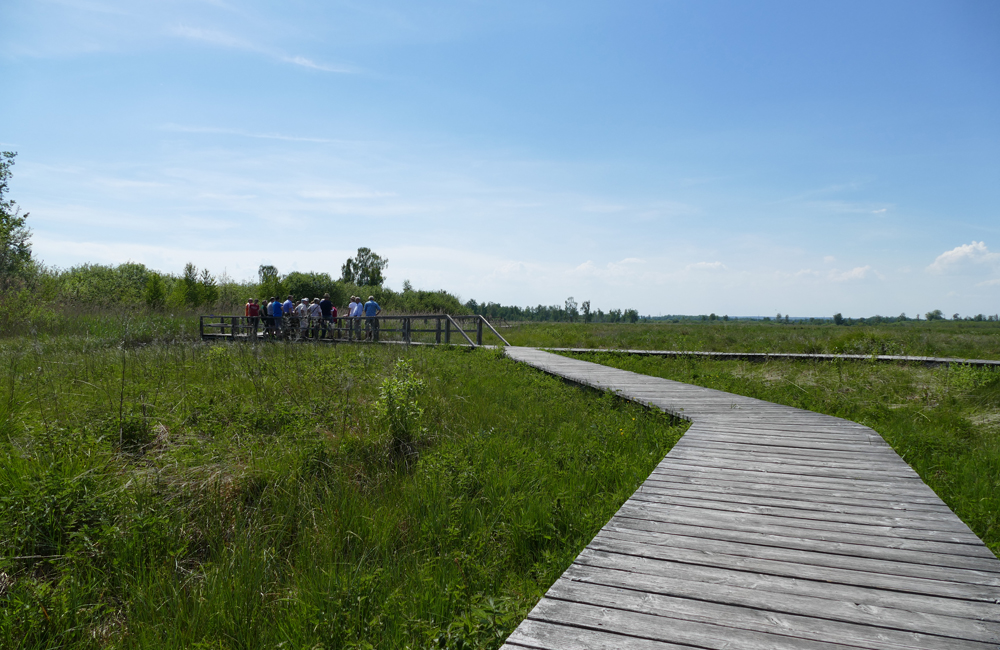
351,306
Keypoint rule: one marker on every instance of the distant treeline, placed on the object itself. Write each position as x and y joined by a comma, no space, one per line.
570,312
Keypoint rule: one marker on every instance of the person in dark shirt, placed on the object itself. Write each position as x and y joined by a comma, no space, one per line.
326,307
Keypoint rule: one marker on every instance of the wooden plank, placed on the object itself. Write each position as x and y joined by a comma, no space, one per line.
819,622
829,515
931,614
769,531
544,635
793,500
667,471
655,628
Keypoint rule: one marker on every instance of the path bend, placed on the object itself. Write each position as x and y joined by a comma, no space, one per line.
766,527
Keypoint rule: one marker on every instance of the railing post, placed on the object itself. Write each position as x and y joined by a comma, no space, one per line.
201,326
437,335
479,331
406,329
232,328
447,331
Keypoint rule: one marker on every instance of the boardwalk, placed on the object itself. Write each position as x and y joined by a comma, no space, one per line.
767,527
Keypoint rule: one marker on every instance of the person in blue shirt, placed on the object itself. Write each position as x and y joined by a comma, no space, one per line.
278,312
371,310
288,310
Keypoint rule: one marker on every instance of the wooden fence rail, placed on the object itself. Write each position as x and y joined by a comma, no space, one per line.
346,329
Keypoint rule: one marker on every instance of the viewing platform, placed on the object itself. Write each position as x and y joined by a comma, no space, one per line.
418,328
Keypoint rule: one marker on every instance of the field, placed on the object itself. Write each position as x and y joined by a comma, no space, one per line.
158,491
966,339
158,494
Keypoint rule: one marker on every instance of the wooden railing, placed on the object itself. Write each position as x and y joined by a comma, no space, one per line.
405,329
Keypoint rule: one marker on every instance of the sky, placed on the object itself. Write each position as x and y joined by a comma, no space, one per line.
741,158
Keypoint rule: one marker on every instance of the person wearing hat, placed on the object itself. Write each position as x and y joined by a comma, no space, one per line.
350,316
371,310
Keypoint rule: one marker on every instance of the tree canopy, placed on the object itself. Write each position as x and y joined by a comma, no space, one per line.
15,247
364,270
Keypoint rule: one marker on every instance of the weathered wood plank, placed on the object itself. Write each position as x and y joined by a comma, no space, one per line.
932,614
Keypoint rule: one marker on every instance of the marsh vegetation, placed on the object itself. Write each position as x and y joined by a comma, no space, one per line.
158,492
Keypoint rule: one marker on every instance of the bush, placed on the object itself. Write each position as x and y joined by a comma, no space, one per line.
397,409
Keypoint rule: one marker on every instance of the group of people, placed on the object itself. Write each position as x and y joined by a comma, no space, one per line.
317,318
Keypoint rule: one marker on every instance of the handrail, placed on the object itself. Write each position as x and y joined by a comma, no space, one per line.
460,330
247,326
231,327
494,331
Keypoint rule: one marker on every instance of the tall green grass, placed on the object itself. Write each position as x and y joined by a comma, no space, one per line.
964,339
291,495
944,422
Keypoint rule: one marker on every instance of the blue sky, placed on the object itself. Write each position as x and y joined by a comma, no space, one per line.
675,157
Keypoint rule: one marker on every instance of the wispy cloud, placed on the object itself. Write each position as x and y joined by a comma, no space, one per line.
857,273
960,256
179,128
224,39
706,266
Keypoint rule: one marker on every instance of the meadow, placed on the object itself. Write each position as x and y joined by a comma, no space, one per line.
964,339
158,491
943,421
162,492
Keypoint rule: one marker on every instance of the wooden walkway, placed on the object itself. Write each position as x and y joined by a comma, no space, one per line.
773,356
767,527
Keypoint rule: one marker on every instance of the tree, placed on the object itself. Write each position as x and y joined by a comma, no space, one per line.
269,281
15,249
208,290
632,315
156,292
937,314
585,307
189,285
838,319
364,270
571,310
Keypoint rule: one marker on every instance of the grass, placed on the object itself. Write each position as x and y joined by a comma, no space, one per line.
178,494
963,339
944,422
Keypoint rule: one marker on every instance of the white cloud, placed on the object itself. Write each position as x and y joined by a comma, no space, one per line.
829,259
960,256
990,283
212,36
880,211
710,266
857,273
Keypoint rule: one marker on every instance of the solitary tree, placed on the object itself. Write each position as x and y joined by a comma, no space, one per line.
365,269
937,314
15,249
571,310
585,308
